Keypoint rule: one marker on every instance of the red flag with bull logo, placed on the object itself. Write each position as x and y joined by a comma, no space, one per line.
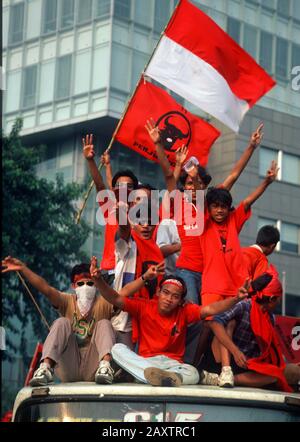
177,126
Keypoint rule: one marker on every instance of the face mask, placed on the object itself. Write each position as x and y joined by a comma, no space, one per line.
85,298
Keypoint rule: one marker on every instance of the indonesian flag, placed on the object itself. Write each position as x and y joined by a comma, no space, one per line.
199,61
177,126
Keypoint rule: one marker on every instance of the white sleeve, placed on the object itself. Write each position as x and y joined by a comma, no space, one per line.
167,233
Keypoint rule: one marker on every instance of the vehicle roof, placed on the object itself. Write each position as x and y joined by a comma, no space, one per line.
139,391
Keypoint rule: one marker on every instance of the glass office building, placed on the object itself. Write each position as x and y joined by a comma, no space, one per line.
70,66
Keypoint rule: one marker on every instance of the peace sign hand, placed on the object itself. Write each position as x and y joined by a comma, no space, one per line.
88,147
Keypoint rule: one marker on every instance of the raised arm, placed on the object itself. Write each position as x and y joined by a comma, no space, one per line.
105,160
154,134
181,156
269,179
15,265
222,306
255,141
124,227
153,272
105,290
89,154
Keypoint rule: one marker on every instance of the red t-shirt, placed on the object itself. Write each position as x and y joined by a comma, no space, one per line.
224,267
108,261
256,261
190,257
161,335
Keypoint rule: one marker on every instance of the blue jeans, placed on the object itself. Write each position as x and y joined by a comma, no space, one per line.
193,284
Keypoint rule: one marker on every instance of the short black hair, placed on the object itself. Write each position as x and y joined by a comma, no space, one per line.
267,236
166,277
145,186
126,173
202,172
78,269
218,196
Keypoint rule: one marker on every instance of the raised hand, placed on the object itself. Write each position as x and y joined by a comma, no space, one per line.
243,291
153,131
105,159
154,271
257,136
181,154
88,147
94,271
11,265
272,172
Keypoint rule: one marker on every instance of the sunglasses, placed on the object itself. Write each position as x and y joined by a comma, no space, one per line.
81,283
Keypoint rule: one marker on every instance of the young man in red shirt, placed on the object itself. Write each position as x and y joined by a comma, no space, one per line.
124,178
189,265
224,267
162,324
256,256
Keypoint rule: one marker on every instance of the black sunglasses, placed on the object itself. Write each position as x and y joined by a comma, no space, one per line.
81,283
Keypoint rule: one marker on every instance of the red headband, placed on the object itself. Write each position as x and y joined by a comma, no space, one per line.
274,288
173,282
82,276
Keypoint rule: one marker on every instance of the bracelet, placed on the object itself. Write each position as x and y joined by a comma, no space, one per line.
143,278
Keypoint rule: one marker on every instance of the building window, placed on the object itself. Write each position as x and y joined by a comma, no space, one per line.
50,15
291,168
283,8
266,51
266,156
143,10
296,10
161,14
268,4
281,58
16,24
234,29
84,11
122,9
67,14
250,40
295,55
102,7
289,238
29,86
266,222
63,77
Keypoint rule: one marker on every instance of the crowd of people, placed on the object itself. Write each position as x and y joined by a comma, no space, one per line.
175,299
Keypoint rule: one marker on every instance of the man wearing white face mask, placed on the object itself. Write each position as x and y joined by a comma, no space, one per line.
79,343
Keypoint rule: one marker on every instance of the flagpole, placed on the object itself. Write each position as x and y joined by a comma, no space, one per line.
79,214
283,293
33,300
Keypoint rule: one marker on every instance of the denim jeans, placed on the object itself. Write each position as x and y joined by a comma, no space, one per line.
193,284
136,365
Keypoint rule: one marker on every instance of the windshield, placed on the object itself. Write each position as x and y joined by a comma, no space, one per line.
107,411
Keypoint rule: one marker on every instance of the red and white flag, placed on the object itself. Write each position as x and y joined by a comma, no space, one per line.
199,61
177,126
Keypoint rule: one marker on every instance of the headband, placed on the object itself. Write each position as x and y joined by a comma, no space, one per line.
173,282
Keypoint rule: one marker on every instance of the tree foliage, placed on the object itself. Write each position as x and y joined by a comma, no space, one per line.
38,228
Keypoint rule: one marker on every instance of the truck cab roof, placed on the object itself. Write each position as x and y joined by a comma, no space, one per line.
87,401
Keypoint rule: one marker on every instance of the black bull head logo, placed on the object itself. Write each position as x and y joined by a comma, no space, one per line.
170,133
